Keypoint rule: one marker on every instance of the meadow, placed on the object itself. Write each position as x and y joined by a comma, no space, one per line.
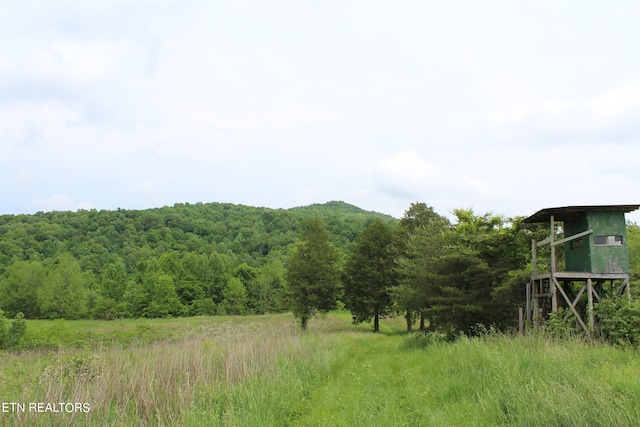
263,371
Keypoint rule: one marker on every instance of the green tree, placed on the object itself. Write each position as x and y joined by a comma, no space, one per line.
633,243
479,273
313,274
114,280
4,335
16,331
215,272
140,291
419,241
267,288
370,274
419,272
20,287
164,300
235,296
64,293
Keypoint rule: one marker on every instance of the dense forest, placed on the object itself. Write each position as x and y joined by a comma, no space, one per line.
217,258
188,259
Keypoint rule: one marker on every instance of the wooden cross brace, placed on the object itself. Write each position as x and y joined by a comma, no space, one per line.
572,307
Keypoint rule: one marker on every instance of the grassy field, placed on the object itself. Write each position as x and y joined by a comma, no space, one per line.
262,371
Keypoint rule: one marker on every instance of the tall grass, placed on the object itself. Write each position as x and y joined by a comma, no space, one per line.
156,384
493,381
262,371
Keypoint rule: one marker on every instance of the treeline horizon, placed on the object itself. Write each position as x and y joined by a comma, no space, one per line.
221,258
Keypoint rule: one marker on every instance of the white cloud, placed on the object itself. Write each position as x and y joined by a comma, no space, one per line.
502,106
147,189
408,175
17,121
22,180
483,188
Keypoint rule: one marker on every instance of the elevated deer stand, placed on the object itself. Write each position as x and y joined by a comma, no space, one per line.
594,241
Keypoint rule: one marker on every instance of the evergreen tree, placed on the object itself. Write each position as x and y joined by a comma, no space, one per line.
468,276
369,274
313,274
419,241
16,331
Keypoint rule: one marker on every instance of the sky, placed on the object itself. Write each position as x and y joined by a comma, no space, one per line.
502,106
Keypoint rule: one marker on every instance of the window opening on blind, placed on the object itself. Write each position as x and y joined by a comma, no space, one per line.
607,240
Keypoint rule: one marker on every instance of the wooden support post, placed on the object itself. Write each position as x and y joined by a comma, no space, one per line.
534,257
552,236
590,304
528,305
552,268
536,308
520,320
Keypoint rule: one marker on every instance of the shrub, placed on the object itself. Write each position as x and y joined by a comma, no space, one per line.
422,340
3,330
619,321
16,331
203,307
10,338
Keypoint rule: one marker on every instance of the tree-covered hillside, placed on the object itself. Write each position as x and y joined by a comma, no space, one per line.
247,234
198,258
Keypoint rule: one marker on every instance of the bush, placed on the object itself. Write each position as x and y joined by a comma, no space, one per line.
560,328
16,331
10,338
619,321
203,307
422,340
3,330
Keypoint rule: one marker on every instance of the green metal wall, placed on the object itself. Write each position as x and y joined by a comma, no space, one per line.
608,258
589,257
578,259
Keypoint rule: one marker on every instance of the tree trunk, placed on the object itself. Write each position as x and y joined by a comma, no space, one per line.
376,324
303,322
422,321
409,321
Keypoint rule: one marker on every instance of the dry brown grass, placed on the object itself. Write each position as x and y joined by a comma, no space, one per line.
150,385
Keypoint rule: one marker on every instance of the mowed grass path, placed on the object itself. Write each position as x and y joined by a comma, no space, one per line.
263,371
395,379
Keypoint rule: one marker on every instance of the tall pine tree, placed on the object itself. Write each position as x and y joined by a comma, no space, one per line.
313,274
369,274
420,240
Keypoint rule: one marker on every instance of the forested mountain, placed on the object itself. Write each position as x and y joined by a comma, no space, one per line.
186,259
245,233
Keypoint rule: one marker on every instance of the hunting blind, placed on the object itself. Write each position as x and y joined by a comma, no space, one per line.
593,240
